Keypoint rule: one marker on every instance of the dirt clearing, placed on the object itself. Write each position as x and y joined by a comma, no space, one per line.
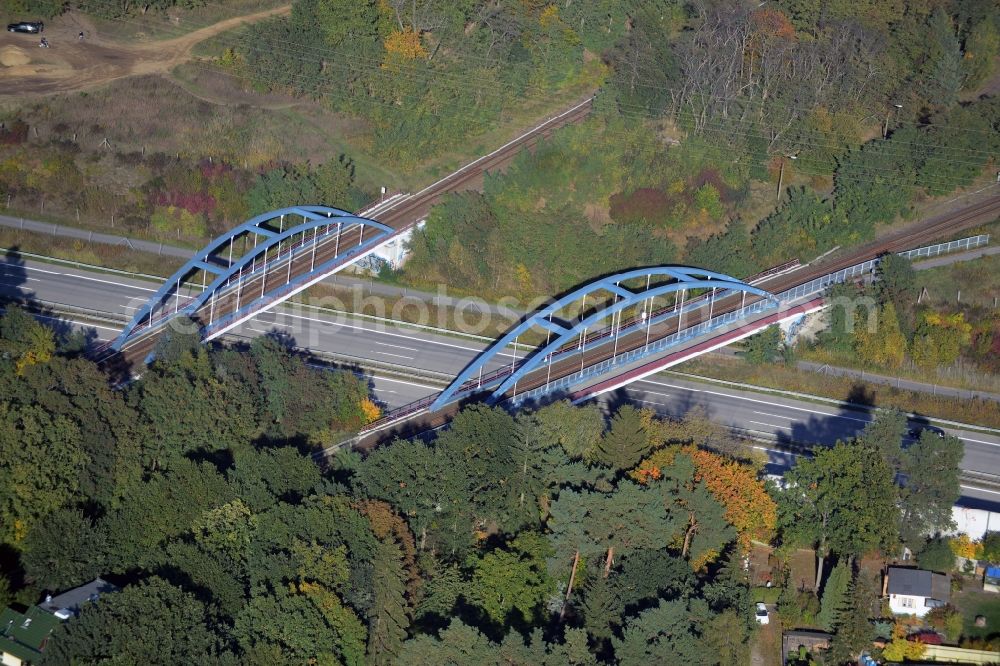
71,64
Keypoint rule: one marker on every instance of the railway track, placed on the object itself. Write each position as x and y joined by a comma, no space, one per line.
917,234
401,216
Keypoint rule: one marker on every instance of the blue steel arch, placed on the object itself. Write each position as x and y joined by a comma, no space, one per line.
313,216
687,278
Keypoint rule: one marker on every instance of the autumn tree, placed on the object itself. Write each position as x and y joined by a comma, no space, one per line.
885,346
735,485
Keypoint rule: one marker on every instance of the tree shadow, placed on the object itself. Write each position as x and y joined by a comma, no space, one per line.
848,421
13,290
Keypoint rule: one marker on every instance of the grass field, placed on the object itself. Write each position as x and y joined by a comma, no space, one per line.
154,25
976,602
978,281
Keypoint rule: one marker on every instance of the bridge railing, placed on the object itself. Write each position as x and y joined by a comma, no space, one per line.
646,350
810,288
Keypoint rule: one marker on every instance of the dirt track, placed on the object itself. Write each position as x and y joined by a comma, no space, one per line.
70,65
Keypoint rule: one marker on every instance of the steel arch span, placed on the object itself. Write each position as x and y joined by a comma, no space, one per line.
219,304
566,338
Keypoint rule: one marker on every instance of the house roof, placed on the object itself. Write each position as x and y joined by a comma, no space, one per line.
24,634
808,633
68,603
919,583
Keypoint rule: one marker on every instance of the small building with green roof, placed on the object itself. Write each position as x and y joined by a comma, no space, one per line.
23,635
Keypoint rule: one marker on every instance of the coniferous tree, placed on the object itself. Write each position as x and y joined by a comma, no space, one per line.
626,441
834,600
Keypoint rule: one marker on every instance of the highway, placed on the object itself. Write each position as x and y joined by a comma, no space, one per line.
416,354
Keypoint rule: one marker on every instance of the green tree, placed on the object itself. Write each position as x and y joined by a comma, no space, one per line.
834,600
895,281
506,580
765,347
942,74
936,555
885,434
458,644
146,623
991,547
387,628
602,608
886,345
40,459
63,550
854,631
648,574
668,633
840,501
576,429
308,622
626,442
981,48
931,467
726,636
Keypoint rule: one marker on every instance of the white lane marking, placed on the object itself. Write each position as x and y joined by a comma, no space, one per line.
769,425
630,390
779,452
394,355
117,284
40,270
129,307
79,323
800,409
793,418
400,381
25,279
652,402
978,441
257,330
386,344
387,333
982,490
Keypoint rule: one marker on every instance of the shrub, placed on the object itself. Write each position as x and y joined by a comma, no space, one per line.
936,555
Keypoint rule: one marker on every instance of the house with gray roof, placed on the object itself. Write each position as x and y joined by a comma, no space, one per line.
68,604
916,591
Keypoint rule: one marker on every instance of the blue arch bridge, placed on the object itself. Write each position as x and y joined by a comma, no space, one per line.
619,326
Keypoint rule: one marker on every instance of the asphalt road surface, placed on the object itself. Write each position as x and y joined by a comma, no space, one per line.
786,419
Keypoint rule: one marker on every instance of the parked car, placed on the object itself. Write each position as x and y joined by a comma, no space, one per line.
926,636
761,614
914,433
32,27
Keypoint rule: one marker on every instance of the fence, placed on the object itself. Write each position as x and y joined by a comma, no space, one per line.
944,248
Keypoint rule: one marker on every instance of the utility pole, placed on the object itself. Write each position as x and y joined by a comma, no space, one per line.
885,127
781,175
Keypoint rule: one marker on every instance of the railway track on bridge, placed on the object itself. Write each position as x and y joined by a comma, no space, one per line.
928,230
402,216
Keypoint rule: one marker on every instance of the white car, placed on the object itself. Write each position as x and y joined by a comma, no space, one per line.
761,614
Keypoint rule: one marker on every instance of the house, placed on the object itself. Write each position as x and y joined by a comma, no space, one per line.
23,636
794,642
916,591
67,604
